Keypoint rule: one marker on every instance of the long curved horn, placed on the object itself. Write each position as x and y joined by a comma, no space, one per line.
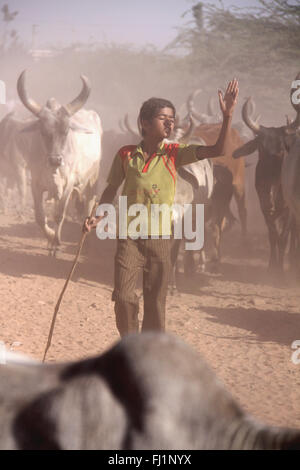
121,125
181,134
129,128
81,99
28,102
190,129
191,108
253,125
210,107
139,125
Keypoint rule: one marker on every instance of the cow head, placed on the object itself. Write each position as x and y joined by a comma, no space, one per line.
54,121
271,142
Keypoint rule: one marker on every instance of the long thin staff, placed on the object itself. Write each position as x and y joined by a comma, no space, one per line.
80,245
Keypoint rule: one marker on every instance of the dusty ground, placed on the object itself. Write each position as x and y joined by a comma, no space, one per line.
242,321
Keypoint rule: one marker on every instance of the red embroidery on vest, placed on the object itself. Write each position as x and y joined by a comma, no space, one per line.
145,169
125,155
168,168
172,151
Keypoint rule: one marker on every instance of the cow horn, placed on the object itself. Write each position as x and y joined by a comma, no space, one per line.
190,129
253,125
191,108
121,125
210,107
29,103
81,99
128,126
139,125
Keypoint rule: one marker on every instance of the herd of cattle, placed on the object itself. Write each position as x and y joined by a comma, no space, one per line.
131,397
68,155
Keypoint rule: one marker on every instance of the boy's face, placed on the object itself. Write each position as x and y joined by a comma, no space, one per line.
161,126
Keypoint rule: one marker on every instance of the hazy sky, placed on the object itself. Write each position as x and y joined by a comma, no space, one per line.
121,21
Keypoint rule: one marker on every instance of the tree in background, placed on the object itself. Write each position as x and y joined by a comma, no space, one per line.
258,45
10,37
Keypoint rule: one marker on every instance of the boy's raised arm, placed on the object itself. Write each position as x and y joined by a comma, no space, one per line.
227,105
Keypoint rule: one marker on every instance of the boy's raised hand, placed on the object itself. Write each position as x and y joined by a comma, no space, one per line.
229,100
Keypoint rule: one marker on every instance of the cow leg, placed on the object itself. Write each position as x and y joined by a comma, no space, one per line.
175,246
202,260
41,219
264,191
294,247
284,230
22,190
59,216
240,199
216,230
2,198
189,262
273,241
297,249
219,207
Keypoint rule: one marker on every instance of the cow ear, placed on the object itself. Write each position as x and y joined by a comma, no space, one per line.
77,128
32,127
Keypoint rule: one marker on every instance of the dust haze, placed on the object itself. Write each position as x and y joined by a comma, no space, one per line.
243,321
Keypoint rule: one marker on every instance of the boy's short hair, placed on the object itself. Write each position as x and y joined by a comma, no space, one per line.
151,107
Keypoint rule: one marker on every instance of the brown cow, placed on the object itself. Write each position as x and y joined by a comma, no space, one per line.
272,144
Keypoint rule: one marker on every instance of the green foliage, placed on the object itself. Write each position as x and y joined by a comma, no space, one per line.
9,40
258,45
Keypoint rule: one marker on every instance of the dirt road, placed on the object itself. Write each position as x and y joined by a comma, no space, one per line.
242,321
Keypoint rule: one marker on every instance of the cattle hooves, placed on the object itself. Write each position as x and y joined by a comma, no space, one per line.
173,291
53,251
214,268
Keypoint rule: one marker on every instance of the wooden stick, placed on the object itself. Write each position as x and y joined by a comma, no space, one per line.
80,245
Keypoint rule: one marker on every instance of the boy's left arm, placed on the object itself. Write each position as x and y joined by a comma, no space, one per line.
227,105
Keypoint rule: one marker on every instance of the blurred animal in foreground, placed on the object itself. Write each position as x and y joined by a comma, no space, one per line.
149,391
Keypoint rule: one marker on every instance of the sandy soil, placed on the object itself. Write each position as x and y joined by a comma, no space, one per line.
242,321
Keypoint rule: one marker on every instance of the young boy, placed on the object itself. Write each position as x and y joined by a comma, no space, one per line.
149,171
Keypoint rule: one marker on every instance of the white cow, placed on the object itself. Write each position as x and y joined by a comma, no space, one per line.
149,391
13,171
62,149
